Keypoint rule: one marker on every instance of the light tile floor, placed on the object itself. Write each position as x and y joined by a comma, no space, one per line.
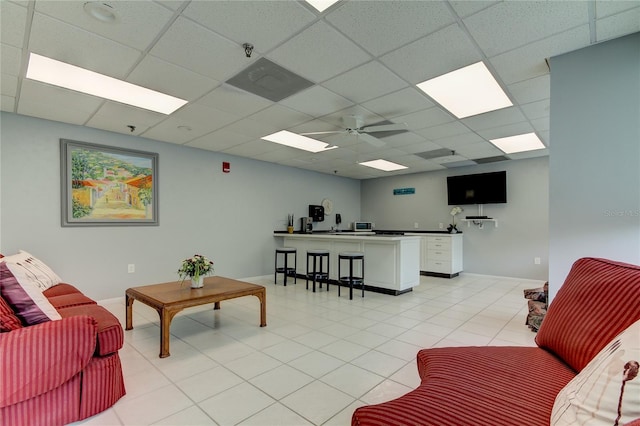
318,359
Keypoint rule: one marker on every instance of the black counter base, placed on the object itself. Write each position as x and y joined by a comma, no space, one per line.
438,274
366,287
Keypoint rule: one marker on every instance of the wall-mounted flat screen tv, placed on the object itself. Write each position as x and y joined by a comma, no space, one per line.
482,188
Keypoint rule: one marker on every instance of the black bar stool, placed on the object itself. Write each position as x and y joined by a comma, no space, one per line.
350,279
318,274
286,270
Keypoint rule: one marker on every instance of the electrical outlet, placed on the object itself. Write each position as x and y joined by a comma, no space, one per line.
536,260
131,268
415,225
441,225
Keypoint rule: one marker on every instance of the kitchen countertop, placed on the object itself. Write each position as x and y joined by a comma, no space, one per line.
363,236
375,232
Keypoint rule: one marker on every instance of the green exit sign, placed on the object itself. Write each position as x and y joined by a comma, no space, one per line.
404,191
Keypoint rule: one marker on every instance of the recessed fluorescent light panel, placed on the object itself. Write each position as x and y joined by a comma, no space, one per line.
294,140
518,143
385,165
47,70
467,91
321,5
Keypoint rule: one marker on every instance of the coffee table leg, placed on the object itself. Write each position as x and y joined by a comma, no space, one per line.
262,296
165,330
129,314
216,306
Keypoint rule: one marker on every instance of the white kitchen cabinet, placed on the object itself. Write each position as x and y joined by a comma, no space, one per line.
440,254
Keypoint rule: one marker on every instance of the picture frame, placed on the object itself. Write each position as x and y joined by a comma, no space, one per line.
107,186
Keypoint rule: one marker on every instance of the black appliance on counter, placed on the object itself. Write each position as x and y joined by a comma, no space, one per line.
306,225
316,213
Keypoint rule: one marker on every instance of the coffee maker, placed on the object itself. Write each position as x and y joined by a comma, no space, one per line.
306,225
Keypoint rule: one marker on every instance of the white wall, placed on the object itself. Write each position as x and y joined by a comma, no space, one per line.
508,250
227,217
594,167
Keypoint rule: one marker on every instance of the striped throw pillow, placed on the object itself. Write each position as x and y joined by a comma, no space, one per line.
24,297
35,270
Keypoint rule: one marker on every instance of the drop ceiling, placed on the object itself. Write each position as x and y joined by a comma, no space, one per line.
362,57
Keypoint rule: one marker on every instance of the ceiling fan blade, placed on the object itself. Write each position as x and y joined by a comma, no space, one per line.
384,128
322,133
371,140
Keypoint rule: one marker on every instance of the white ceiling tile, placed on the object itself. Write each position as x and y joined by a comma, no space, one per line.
406,160
537,109
479,150
508,130
544,137
316,101
529,61
198,49
433,55
315,126
219,140
7,103
443,130
75,46
319,53
165,77
231,99
374,25
116,117
425,118
189,123
280,116
512,24
497,118
541,124
9,85
36,99
204,117
253,128
399,103
264,24
425,166
532,90
172,4
607,7
402,139
253,149
13,18
469,7
421,147
530,154
281,154
457,141
137,24
365,82
11,59
618,25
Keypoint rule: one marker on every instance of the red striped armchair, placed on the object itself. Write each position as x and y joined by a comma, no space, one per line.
517,386
61,371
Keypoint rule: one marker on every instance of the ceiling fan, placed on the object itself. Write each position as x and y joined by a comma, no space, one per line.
353,126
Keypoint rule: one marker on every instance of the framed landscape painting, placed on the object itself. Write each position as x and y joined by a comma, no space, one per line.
107,186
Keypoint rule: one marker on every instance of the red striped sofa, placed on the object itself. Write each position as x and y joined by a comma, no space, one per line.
62,371
518,385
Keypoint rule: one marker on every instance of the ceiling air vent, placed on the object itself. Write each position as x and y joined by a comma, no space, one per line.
268,80
490,159
436,153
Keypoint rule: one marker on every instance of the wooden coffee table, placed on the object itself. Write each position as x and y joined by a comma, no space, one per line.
170,298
